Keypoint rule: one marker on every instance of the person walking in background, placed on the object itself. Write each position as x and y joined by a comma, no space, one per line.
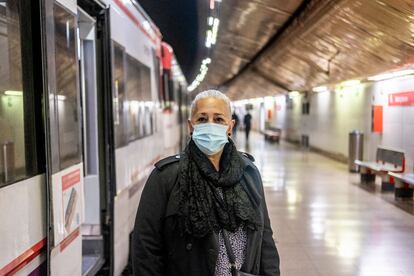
236,120
247,124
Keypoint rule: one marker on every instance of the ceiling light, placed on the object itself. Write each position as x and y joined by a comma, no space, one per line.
381,77
215,30
216,22
206,61
61,97
212,4
391,75
209,38
350,83
13,93
256,100
293,94
320,89
403,73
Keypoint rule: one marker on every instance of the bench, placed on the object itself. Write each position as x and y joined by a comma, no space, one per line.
272,134
387,161
404,184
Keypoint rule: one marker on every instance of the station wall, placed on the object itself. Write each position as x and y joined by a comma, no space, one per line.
332,115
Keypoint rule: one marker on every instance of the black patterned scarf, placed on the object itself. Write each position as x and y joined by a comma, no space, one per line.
202,208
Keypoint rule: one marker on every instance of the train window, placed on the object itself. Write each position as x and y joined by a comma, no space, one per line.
67,88
120,107
12,134
138,93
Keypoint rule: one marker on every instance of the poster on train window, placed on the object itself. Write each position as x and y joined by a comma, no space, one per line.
67,191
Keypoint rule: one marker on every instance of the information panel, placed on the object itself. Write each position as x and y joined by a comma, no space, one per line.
401,99
67,200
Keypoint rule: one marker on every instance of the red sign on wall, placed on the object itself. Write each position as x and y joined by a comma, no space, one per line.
401,99
377,118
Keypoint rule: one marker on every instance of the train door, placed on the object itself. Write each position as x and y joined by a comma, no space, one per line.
22,187
65,170
91,229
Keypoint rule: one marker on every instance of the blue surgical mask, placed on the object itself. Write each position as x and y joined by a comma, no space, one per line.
210,138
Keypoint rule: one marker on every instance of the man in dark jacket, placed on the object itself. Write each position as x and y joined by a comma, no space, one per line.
186,207
247,124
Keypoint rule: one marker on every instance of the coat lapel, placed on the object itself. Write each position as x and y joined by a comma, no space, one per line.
253,236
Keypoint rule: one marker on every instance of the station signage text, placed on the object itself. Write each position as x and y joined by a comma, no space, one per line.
401,99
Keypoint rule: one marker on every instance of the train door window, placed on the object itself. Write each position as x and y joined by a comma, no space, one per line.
67,95
120,104
157,75
16,110
133,94
157,70
138,93
146,97
92,240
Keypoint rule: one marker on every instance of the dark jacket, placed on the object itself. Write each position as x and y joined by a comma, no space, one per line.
247,121
159,248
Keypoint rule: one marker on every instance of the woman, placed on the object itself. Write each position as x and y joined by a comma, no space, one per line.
199,205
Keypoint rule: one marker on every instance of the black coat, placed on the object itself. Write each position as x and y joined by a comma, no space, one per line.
158,248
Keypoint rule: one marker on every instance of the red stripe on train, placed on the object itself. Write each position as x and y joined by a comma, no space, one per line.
23,259
69,239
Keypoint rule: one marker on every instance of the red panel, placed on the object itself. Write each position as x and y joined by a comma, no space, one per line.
377,118
401,99
167,55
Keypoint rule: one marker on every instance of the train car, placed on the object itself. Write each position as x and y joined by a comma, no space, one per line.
90,98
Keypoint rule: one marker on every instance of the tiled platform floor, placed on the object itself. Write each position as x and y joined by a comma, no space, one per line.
324,223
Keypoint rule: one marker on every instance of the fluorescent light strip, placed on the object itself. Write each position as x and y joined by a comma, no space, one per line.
209,38
293,94
320,89
61,97
215,30
13,93
350,83
391,75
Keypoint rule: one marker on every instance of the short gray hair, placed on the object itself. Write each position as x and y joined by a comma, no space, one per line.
210,94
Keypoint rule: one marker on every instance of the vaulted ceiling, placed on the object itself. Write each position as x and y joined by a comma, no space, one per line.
266,47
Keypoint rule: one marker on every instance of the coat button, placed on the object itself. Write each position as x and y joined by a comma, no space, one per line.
188,246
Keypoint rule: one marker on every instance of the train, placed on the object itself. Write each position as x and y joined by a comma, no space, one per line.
90,98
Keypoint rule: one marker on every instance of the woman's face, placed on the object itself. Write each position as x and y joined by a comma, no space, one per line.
211,110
